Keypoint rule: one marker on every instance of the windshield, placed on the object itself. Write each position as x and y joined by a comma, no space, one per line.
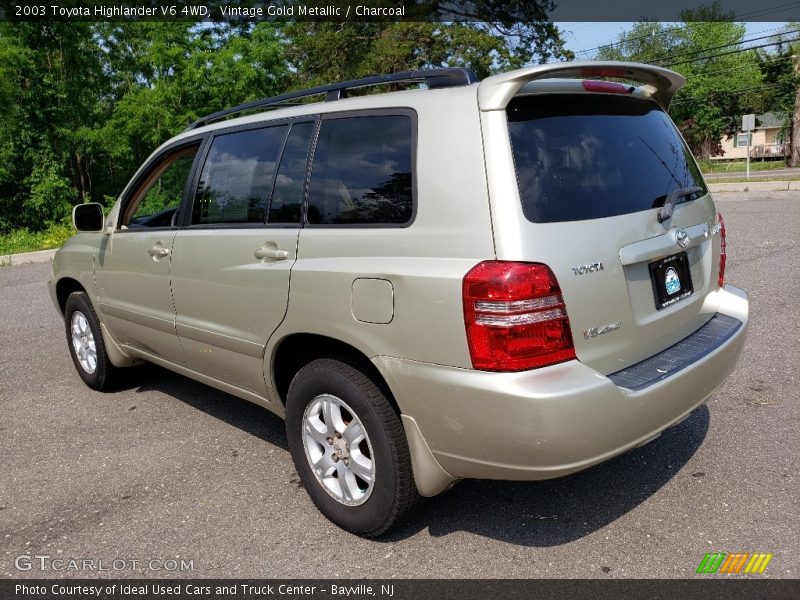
587,156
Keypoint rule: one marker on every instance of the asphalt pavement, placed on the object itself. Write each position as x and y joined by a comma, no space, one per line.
166,469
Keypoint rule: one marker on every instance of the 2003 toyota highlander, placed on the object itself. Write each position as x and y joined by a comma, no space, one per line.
516,278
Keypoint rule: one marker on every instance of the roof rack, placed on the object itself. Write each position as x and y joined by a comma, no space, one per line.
433,78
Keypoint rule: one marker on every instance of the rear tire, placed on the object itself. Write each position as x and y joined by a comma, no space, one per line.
85,341
349,447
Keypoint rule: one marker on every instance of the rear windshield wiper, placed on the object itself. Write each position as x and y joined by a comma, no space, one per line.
672,199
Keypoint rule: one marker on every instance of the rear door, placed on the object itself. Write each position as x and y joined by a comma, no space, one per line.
593,172
232,260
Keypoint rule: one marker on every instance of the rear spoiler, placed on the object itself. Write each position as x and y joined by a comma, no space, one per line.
494,93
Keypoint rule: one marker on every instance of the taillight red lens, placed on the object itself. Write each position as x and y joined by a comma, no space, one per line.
606,87
722,254
515,317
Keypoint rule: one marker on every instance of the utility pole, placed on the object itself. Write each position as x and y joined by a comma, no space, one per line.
795,149
748,125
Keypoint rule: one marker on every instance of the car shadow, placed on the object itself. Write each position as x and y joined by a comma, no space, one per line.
535,513
244,415
559,511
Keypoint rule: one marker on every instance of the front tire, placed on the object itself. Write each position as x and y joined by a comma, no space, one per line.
85,341
349,447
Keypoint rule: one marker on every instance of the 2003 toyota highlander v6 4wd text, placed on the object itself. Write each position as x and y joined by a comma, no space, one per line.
516,278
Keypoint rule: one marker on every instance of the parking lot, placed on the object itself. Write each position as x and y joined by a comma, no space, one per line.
167,469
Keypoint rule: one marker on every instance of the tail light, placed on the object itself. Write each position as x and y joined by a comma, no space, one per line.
515,317
722,255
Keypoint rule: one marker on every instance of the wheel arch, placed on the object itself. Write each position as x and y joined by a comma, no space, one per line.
66,286
296,350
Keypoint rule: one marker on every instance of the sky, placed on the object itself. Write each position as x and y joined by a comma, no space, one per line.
584,36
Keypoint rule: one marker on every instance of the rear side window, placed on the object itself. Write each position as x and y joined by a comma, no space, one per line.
587,156
236,180
362,171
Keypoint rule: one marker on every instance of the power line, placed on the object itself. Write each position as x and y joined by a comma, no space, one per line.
664,32
636,39
739,51
771,60
731,93
721,46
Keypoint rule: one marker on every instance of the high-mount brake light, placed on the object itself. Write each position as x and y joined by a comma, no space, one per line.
515,317
603,72
722,250
606,87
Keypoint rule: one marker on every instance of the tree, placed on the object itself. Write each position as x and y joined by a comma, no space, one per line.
167,75
646,42
778,67
325,52
722,77
86,103
50,78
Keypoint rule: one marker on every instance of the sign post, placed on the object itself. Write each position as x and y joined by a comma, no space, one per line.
748,125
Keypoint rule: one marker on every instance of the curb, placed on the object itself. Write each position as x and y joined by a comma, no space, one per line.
27,257
754,186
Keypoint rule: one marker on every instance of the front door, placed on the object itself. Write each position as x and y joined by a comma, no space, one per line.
133,267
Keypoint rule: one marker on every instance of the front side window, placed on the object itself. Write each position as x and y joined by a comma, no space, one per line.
362,171
155,203
237,177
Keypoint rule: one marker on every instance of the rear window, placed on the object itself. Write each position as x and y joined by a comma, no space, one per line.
587,156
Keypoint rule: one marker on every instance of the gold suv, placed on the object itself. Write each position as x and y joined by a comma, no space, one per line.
516,278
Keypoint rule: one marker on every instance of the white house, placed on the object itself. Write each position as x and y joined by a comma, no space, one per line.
766,143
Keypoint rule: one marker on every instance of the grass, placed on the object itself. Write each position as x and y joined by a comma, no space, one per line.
22,240
759,180
715,166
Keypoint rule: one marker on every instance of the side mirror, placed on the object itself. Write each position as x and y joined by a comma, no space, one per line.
88,217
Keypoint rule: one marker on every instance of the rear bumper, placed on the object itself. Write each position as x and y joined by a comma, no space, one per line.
557,420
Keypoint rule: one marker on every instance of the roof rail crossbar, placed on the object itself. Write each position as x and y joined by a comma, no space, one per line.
433,78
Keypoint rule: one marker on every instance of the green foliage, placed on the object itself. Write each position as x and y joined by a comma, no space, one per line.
86,103
49,81
781,75
23,240
50,197
325,52
168,190
713,99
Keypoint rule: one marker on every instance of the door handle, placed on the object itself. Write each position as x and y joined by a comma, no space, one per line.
158,252
273,253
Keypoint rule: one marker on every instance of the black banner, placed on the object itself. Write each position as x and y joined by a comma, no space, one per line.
714,587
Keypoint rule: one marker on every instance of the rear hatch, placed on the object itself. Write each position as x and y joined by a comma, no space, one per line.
594,171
